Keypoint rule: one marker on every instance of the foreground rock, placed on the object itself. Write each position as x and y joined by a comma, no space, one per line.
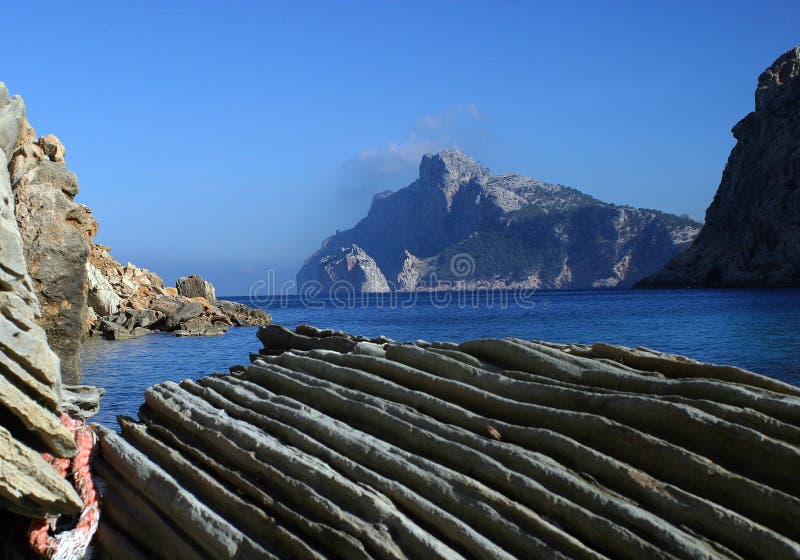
331,445
458,226
53,229
32,396
751,237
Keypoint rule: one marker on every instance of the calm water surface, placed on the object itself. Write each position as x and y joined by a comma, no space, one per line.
755,329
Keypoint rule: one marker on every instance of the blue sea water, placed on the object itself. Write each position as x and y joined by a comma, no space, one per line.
757,330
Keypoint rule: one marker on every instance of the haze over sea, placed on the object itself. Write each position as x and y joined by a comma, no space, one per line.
757,330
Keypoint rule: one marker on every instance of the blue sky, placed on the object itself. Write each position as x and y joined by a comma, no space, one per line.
229,139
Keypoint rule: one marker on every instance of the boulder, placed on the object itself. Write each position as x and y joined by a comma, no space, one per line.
203,325
102,298
241,315
182,313
194,286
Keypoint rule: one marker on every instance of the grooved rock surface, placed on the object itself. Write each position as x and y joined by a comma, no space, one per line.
53,229
30,381
751,237
487,449
459,226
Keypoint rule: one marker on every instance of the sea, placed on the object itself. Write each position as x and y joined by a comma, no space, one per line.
758,330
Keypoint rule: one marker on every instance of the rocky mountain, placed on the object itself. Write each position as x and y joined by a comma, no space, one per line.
751,236
459,226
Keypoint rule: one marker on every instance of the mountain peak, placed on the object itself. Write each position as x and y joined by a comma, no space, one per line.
448,170
450,166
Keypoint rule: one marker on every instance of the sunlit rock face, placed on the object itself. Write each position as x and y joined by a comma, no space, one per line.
751,237
459,226
31,395
55,231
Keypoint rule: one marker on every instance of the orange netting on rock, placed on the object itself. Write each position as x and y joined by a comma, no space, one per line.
74,543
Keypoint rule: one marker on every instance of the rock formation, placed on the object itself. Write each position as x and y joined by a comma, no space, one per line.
128,301
349,267
194,286
32,396
751,237
53,229
330,446
459,226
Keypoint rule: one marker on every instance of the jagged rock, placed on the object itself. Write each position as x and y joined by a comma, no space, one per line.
81,401
195,286
201,326
457,226
347,271
182,313
102,298
53,234
30,380
491,448
241,315
751,237
276,339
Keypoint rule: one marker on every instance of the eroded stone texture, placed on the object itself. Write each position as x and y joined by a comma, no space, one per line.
30,381
56,247
332,445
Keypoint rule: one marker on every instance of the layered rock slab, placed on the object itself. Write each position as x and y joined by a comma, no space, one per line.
510,448
31,393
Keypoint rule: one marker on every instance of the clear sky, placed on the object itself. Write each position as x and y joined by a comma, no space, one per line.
230,138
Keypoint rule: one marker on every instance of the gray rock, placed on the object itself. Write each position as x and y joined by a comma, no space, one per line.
194,286
201,326
491,448
81,401
241,315
55,242
144,318
30,380
112,330
346,272
276,338
184,311
751,237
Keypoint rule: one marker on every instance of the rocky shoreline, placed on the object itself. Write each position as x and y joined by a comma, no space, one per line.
331,445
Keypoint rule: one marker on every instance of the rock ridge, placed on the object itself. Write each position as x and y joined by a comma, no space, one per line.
751,237
459,227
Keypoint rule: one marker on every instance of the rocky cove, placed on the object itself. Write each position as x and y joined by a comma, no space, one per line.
332,445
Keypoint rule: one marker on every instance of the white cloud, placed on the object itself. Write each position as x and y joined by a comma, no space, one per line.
394,165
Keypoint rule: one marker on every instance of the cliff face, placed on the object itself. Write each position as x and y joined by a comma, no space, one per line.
459,226
53,228
30,384
751,237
